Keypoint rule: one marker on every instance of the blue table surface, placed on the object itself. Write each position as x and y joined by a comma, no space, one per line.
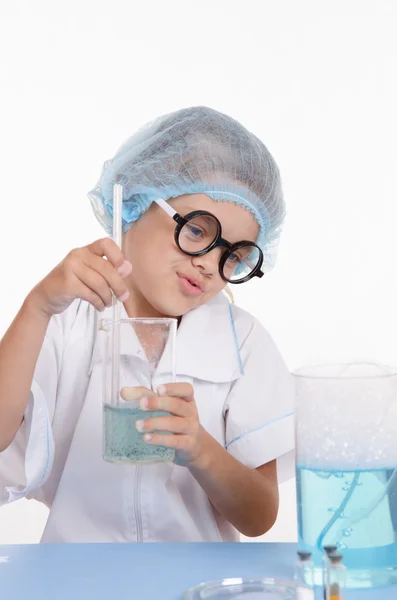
141,571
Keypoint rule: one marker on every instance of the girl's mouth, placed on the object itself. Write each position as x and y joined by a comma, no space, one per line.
190,286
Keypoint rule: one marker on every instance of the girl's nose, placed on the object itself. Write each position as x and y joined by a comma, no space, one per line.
208,263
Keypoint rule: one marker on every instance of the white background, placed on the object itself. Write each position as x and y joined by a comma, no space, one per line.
315,80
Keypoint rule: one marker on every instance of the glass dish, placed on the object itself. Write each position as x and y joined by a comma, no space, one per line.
237,588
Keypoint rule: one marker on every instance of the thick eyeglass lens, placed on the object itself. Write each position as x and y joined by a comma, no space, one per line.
198,233
241,263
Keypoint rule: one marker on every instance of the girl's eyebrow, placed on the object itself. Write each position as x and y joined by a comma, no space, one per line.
187,209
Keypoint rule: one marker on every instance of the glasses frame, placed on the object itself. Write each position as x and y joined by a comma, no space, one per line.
218,241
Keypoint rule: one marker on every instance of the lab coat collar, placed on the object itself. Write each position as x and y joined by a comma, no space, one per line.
207,347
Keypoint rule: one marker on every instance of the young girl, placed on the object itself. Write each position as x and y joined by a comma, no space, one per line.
231,408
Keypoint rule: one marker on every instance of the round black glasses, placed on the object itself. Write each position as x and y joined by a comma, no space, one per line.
199,232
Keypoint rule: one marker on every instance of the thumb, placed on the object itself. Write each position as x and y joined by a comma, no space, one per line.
136,393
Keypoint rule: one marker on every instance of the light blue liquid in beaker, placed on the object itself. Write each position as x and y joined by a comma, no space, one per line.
357,511
123,443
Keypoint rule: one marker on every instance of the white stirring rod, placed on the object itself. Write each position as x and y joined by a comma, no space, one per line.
117,229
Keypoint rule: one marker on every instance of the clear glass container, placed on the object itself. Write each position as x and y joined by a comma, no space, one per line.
138,356
327,551
346,456
303,576
237,588
336,578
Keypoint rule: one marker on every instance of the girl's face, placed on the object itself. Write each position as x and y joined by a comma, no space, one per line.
162,275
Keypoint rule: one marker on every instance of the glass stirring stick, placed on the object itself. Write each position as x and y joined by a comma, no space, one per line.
117,228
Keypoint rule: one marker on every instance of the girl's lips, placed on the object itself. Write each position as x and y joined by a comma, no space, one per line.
188,287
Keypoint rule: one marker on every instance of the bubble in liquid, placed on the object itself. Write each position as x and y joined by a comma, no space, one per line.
339,474
347,532
346,486
323,474
341,546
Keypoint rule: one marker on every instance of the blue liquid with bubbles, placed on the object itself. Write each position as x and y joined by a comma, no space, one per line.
124,444
357,511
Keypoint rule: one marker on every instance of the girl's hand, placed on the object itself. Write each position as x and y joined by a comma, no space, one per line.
85,274
186,436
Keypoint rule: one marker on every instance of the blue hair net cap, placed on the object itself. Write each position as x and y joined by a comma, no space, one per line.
194,150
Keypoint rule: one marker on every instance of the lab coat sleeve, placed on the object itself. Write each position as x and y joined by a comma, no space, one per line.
259,408
26,464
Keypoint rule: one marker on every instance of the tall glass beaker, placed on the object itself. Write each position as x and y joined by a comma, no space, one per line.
138,354
346,455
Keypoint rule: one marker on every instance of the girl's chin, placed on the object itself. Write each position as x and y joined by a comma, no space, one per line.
174,307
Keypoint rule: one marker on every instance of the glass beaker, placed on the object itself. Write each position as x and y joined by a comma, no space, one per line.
139,354
346,459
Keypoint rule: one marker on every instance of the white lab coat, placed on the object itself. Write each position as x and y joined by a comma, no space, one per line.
244,396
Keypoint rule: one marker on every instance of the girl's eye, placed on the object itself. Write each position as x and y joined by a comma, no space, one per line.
234,258
194,231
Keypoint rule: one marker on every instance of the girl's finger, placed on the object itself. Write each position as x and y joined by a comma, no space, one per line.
174,406
85,293
170,424
107,247
105,269
95,282
181,390
176,442
135,393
